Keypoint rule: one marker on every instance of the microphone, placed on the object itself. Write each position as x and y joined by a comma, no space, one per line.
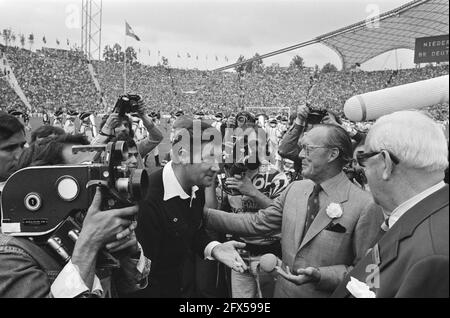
268,262
372,105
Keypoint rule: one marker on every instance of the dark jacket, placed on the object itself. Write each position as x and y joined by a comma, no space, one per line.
289,147
412,257
171,232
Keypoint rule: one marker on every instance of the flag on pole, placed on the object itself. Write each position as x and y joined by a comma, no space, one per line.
129,32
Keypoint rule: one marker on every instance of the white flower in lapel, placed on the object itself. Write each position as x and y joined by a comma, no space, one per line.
334,211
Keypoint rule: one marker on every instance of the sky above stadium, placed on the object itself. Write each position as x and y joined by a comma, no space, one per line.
215,31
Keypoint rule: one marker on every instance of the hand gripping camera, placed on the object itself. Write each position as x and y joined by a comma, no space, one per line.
49,203
127,104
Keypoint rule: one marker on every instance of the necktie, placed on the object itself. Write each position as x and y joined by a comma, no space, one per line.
313,207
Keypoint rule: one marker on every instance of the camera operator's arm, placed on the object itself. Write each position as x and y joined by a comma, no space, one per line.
246,187
289,147
154,134
78,279
107,131
134,266
211,201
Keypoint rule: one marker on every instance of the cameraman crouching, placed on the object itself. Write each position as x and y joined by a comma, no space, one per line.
117,126
27,268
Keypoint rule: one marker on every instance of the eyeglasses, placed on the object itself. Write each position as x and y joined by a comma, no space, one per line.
309,148
362,157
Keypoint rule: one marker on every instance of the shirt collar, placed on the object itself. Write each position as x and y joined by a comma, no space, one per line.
407,205
172,187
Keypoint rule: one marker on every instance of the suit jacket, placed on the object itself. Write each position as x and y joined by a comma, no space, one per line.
333,252
412,257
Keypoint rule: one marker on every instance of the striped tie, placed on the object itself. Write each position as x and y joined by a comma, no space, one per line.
313,207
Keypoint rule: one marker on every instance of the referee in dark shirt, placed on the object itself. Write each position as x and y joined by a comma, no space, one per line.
170,226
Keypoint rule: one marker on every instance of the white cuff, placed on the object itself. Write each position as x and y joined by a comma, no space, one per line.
69,283
209,248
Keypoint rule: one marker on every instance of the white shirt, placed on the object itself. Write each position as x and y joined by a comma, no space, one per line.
173,189
407,205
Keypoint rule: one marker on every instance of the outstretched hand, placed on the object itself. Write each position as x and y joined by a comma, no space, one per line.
302,276
227,254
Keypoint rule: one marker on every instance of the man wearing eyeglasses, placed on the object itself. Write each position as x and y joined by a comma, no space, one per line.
404,157
327,223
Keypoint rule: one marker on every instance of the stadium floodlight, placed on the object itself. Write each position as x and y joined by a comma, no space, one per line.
91,28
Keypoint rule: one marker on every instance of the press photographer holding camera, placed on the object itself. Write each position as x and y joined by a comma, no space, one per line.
32,267
251,184
119,124
307,119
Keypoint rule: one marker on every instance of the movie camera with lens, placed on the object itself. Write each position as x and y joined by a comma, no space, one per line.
49,203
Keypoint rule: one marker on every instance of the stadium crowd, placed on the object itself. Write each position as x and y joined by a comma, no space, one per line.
54,79
276,206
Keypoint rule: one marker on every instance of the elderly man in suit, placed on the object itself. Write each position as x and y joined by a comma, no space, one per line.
404,157
327,223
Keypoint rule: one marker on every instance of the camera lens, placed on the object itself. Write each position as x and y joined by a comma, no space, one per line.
242,120
139,184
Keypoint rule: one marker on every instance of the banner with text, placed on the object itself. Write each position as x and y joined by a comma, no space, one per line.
431,49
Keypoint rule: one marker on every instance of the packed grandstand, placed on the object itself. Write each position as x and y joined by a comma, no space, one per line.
52,79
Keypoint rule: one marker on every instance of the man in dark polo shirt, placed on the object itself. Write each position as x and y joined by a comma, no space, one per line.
170,226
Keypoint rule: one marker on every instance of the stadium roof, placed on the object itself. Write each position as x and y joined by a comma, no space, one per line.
395,29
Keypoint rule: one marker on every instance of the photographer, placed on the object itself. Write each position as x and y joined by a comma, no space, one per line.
290,146
27,267
252,186
121,126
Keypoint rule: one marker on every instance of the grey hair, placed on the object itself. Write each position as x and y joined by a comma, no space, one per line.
413,137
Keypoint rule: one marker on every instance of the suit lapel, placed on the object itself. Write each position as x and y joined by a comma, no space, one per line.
386,251
406,225
338,193
320,222
300,213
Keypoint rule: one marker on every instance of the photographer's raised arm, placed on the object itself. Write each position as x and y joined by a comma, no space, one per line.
289,147
154,134
107,131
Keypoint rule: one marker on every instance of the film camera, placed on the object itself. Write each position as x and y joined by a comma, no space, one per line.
49,203
243,161
316,116
127,104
